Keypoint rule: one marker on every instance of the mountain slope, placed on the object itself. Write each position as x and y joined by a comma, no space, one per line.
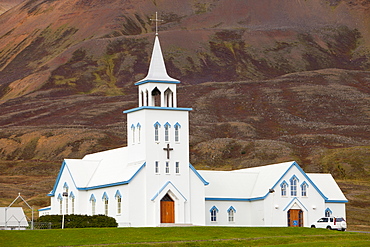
107,44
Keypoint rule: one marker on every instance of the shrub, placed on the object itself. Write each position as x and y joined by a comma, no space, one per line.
79,221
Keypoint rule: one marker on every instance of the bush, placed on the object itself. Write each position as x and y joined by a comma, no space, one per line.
79,221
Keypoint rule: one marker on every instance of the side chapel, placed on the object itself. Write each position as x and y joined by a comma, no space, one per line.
152,183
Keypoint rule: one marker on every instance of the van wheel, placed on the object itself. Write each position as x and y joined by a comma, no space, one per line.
328,227
313,226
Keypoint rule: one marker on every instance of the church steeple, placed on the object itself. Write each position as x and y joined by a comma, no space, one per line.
157,89
157,68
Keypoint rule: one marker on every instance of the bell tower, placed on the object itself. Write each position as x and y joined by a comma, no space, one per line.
158,130
158,135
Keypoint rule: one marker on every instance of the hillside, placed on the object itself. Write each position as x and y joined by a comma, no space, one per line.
268,81
5,5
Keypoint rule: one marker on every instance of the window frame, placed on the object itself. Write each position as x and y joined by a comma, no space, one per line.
60,204
213,214
167,168
294,186
156,167
138,126
106,206
284,189
93,204
304,187
73,205
167,127
177,167
133,133
177,127
231,214
156,132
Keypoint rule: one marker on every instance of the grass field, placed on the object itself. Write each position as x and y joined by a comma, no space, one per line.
184,236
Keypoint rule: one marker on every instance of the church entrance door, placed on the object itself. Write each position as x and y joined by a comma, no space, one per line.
295,218
167,210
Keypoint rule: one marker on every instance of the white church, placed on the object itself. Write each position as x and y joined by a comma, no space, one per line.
151,182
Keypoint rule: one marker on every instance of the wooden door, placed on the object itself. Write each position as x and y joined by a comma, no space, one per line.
295,218
167,210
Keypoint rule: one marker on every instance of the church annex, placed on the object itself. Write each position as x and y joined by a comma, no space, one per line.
152,183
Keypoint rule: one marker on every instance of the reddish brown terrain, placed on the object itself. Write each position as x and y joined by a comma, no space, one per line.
268,81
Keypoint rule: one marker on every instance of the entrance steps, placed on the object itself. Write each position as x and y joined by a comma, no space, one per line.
174,225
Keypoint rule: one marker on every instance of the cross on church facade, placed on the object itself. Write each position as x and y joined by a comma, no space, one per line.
156,23
168,149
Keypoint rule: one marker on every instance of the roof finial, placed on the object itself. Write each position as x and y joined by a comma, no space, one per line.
156,23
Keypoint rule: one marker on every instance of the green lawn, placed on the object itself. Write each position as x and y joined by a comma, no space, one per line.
183,236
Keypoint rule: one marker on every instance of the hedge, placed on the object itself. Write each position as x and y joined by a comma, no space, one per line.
79,221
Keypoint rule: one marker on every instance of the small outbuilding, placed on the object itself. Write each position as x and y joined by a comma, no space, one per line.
12,218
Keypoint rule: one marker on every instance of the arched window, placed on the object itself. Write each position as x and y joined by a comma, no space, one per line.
118,197
93,204
166,132
156,131
133,133
168,98
284,186
231,214
138,126
156,97
106,200
304,186
328,212
213,212
72,197
60,199
65,194
177,132
293,186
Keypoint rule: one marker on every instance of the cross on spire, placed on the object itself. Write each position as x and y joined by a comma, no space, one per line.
168,149
156,22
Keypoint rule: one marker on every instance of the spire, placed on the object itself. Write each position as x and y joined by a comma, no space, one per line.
157,68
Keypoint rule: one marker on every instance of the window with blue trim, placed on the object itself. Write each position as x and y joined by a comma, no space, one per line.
119,202
177,132
156,131
284,187
93,204
166,132
106,200
65,193
231,214
133,133
213,212
304,189
72,196
328,212
138,126
293,186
